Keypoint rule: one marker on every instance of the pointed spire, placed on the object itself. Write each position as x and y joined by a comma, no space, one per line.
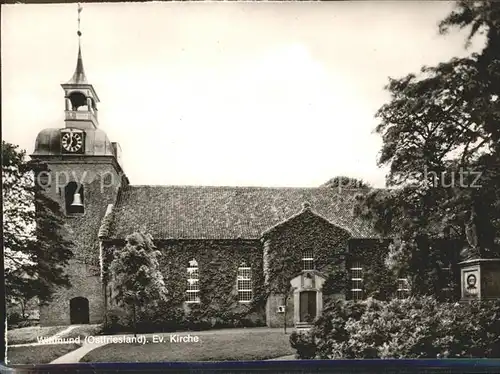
79,74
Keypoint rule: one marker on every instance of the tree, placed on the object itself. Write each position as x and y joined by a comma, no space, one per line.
345,182
136,275
441,141
37,247
286,298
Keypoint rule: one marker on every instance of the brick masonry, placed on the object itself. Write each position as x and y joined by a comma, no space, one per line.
276,319
218,259
101,180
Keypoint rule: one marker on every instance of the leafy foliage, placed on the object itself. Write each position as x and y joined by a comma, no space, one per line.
378,279
412,328
305,231
136,276
218,307
37,245
441,142
346,182
304,344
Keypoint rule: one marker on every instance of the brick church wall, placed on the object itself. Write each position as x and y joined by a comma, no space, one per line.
218,262
275,319
286,246
83,285
100,186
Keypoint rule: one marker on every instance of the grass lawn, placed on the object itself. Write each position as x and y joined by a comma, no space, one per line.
37,354
82,331
30,334
213,346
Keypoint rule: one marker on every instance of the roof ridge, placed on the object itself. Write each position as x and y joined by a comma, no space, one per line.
245,187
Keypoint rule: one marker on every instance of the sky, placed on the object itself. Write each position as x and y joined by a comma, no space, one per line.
229,93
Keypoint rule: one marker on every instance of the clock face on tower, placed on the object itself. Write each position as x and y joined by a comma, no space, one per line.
72,141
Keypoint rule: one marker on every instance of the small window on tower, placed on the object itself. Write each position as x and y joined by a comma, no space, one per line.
74,198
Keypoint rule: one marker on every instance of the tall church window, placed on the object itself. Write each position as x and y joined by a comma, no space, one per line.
193,282
356,271
307,260
74,198
244,280
403,289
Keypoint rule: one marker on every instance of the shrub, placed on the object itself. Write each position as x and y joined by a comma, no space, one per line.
14,318
197,321
163,318
117,320
331,326
29,323
166,317
412,328
303,342
248,322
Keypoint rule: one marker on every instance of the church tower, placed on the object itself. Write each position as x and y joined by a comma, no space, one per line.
85,176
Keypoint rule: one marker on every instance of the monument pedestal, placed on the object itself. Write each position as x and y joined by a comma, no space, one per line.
480,279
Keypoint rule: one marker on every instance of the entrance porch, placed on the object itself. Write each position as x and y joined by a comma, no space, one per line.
307,297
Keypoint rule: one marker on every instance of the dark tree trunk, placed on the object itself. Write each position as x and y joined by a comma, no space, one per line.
285,314
23,309
135,320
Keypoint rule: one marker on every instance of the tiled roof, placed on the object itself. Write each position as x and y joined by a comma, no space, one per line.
189,212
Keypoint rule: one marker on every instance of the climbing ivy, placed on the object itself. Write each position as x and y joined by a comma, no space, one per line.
378,281
218,263
287,243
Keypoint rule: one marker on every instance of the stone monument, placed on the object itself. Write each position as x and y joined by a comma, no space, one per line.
479,268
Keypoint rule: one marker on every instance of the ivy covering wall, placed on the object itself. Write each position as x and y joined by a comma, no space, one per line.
288,242
380,282
333,249
218,263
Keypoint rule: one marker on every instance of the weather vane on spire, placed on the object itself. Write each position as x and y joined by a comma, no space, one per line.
79,33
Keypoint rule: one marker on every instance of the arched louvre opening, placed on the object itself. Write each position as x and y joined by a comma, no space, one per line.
74,198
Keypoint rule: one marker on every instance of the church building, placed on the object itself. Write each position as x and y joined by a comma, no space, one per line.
255,252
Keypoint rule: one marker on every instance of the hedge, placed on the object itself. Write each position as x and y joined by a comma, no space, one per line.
411,328
169,319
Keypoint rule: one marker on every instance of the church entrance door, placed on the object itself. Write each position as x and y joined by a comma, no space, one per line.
307,306
79,310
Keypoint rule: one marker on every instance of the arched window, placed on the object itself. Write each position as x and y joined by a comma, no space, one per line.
308,260
73,195
193,282
244,283
356,271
